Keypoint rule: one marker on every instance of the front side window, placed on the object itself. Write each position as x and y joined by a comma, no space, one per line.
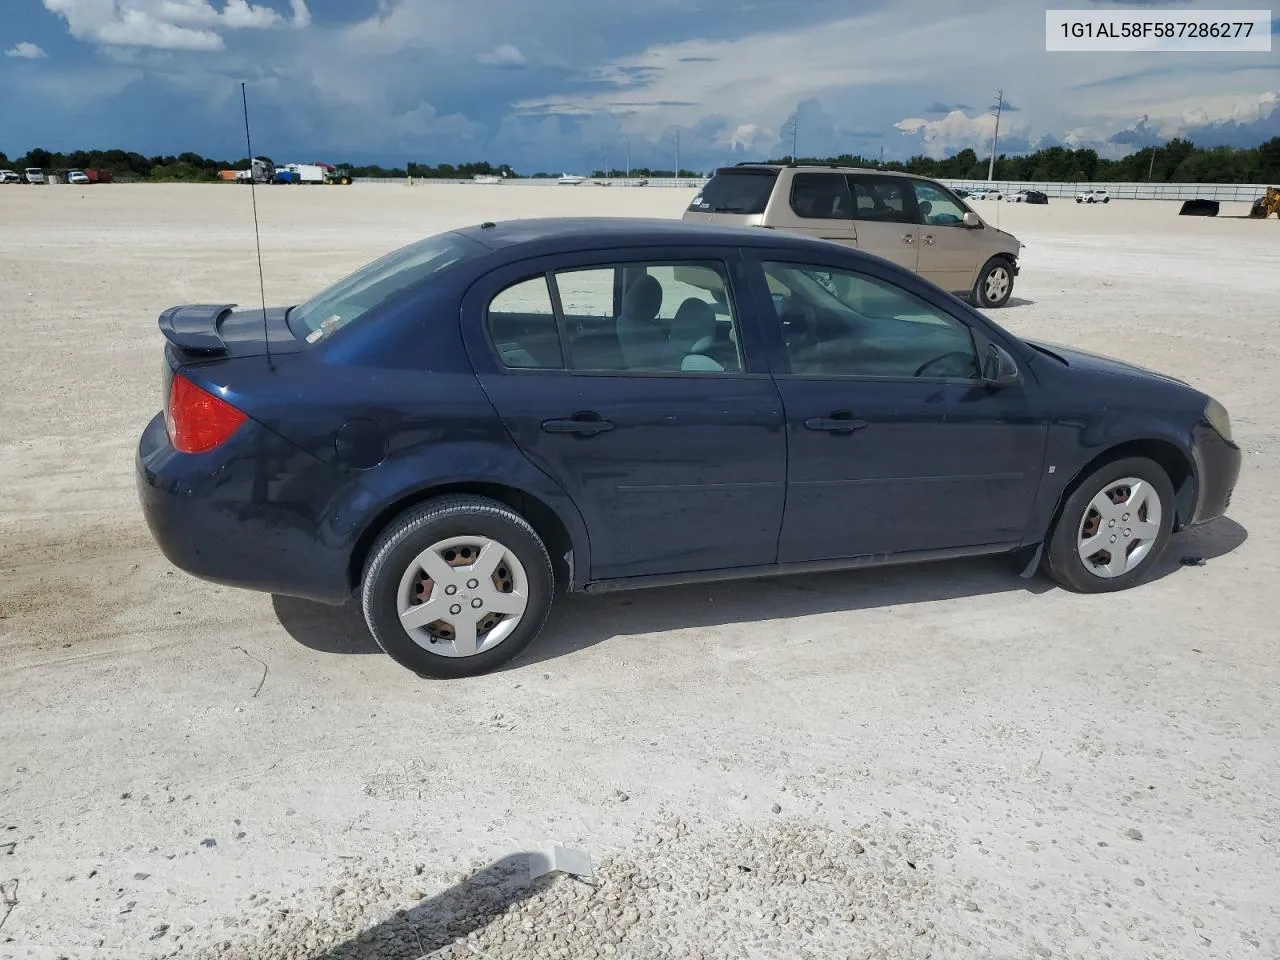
841,324
882,199
935,208
354,296
621,318
821,196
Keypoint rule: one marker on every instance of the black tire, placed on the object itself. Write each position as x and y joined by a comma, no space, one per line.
1062,561
980,296
417,529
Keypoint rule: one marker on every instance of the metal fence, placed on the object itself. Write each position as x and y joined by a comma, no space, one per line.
1241,192
688,182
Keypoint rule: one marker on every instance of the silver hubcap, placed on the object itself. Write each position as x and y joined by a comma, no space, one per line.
462,596
1119,527
997,283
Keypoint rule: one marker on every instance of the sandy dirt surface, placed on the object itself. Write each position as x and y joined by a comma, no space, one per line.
943,761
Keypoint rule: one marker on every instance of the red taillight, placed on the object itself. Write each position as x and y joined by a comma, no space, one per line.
197,420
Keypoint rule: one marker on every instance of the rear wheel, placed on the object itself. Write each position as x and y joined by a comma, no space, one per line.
1113,528
457,587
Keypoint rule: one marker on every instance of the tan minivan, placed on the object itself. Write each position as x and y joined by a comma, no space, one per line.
915,222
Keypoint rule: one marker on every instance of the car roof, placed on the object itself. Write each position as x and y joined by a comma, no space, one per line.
549,235
816,168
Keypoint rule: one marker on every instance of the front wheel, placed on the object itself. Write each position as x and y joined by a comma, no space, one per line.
457,587
995,283
1113,528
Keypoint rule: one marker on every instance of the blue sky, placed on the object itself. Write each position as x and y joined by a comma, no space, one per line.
562,84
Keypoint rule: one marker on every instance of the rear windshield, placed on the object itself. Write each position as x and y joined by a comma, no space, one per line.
735,191
352,297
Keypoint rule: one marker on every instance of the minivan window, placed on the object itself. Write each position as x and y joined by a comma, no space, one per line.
883,199
735,191
354,296
821,196
935,207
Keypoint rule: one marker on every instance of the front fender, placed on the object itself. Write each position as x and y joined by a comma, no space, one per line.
1076,448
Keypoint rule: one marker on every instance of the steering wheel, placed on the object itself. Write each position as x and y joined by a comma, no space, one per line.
963,356
799,324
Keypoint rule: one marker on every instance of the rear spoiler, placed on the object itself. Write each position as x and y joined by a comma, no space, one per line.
193,327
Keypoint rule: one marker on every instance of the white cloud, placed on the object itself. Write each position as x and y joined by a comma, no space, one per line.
167,24
301,14
25,51
503,55
957,130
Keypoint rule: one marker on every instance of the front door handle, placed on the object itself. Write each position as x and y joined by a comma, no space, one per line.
907,238
839,422
580,424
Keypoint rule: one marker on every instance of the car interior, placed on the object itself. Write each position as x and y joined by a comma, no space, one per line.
627,318
845,325
646,320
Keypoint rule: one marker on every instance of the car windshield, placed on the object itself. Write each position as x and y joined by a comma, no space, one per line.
736,191
354,296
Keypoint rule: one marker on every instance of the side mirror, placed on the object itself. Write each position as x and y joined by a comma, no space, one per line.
971,219
999,369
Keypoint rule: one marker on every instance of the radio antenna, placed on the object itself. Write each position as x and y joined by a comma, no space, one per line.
262,287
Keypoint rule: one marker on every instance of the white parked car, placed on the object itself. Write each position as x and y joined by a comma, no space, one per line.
77,176
9,176
33,175
1093,196
985,193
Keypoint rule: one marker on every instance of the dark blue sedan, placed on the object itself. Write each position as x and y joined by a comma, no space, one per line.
459,429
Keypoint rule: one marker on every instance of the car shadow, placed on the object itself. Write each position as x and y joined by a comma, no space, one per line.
579,621
1018,302
434,923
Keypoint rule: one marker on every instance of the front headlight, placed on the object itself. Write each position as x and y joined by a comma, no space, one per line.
1216,414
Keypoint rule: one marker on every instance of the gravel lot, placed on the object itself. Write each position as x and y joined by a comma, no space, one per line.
940,761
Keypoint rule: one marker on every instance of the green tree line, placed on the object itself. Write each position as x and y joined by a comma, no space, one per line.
1178,161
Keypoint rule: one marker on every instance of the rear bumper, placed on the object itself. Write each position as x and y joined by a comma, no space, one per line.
1218,469
252,514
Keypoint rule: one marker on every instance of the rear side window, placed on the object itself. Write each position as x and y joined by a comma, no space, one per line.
522,325
821,196
736,191
655,317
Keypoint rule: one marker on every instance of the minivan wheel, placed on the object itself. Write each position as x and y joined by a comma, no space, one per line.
995,283
1113,528
456,587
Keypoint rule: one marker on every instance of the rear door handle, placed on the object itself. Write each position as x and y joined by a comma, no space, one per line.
907,238
840,422
927,238
580,424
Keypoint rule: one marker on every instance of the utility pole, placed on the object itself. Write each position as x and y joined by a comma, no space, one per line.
677,153
1151,166
991,167
628,158
791,122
